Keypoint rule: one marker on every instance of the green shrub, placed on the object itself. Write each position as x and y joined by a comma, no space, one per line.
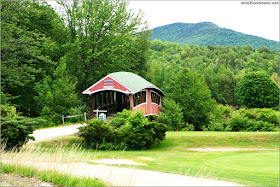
136,133
15,131
42,122
120,118
128,130
143,137
159,129
165,120
112,146
220,118
96,132
205,128
76,111
255,119
220,126
188,127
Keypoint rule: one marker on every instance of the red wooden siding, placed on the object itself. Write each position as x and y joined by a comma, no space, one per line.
149,107
108,83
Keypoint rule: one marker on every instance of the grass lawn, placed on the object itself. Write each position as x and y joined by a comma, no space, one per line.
247,167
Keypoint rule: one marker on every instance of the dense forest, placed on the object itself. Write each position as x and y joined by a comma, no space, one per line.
207,33
48,59
201,82
221,67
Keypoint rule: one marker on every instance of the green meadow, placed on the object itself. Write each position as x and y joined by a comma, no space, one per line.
256,164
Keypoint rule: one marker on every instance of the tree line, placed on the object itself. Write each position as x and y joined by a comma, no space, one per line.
204,85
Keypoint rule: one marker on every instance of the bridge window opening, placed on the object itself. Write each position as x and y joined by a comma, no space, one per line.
112,101
155,98
139,98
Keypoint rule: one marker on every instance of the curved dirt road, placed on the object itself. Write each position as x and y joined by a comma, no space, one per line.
119,176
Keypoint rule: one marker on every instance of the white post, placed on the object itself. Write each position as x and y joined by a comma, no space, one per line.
85,115
62,119
96,113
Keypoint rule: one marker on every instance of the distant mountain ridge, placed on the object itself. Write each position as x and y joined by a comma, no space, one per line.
207,33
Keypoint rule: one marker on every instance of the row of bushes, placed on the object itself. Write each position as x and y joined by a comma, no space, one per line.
255,119
128,130
224,118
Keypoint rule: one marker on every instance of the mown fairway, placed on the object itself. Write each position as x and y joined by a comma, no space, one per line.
247,167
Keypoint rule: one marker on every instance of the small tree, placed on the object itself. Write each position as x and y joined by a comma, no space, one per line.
192,93
56,95
172,114
257,90
15,129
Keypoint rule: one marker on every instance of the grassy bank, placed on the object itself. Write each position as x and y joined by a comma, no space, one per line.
57,178
35,161
247,167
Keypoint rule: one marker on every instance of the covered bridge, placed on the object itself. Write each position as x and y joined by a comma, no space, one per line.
124,90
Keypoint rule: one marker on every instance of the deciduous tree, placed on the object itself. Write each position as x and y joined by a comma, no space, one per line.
257,90
193,95
105,39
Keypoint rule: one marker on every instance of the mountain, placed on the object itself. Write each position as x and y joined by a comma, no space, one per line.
207,33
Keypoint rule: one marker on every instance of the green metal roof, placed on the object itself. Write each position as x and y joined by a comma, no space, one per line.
133,81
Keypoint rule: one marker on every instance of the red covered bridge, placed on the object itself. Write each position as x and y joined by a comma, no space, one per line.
124,90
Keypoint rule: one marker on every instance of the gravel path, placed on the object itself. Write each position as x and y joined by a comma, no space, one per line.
119,176
44,134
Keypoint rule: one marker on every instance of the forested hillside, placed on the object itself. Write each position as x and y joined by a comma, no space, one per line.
201,84
222,67
207,33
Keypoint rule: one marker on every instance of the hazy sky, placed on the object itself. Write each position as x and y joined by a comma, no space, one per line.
256,19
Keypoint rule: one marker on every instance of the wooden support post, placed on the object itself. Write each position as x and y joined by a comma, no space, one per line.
101,99
127,102
131,101
90,107
104,98
94,101
112,97
109,97
115,97
97,100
